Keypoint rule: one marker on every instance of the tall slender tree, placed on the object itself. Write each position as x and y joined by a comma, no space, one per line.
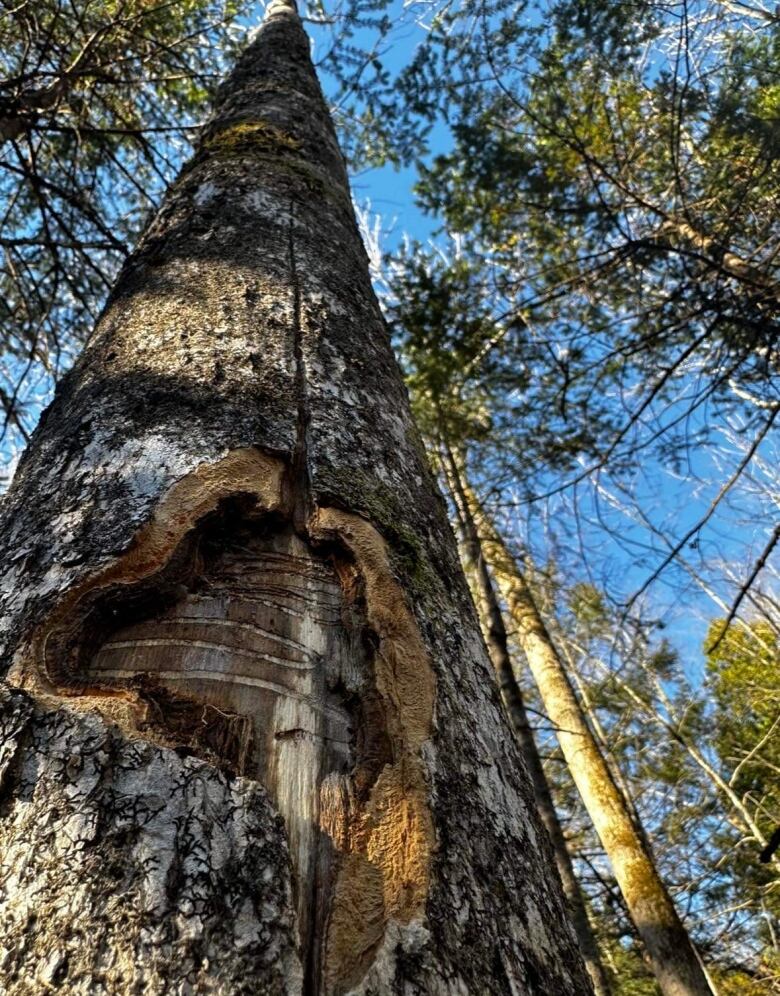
673,957
444,343
497,641
250,742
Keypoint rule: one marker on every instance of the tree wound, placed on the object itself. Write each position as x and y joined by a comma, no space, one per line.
291,659
264,637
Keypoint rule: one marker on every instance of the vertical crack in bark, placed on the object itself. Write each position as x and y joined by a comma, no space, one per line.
300,497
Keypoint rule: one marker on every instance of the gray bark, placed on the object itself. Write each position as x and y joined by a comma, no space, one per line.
127,869
225,561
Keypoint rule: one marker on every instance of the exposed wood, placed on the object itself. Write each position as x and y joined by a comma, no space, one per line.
261,635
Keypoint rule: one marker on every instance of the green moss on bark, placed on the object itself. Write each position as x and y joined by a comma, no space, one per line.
250,136
383,509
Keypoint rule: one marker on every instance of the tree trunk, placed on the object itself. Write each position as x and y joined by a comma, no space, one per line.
251,744
498,648
673,958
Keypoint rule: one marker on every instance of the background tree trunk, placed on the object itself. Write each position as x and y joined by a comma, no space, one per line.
673,958
229,591
498,648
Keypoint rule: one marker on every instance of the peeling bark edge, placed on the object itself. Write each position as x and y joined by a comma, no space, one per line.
388,846
393,831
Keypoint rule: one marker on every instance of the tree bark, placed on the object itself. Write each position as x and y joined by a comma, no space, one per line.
673,958
252,744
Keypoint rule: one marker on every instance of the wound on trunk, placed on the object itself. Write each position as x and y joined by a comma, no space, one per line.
262,632
289,658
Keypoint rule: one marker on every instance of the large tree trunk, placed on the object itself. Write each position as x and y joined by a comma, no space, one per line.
672,956
252,744
497,641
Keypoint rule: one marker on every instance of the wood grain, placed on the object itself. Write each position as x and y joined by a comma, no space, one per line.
263,632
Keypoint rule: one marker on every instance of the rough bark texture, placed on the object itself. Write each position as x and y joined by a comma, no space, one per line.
240,384
498,647
128,869
673,958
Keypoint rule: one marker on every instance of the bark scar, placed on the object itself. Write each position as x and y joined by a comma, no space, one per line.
388,841
296,658
52,660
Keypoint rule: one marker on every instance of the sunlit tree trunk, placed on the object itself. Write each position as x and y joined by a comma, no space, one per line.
672,956
498,648
249,742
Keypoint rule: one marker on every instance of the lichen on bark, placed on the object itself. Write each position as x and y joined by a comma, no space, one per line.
128,869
